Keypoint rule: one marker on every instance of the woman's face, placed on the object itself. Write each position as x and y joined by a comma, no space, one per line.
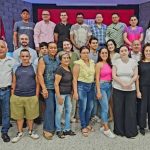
84,54
52,49
67,46
147,52
104,54
111,46
65,60
124,52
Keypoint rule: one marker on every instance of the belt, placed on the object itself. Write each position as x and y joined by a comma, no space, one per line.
5,88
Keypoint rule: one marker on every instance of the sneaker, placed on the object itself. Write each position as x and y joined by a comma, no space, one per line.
142,131
70,132
109,134
73,120
17,138
33,135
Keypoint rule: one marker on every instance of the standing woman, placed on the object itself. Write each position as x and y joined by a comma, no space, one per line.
46,70
124,73
143,88
63,89
83,82
147,36
104,87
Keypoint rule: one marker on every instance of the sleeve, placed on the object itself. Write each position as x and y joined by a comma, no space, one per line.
89,31
56,29
16,27
15,68
141,30
72,30
125,29
36,34
59,71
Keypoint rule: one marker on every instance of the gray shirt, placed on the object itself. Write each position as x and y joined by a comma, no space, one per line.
25,28
93,56
32,52
6,67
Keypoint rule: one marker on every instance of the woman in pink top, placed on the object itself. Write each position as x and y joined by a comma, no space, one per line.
103,86
133,32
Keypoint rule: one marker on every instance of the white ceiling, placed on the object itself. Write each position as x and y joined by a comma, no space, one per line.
88,2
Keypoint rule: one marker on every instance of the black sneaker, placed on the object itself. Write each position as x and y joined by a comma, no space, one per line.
60,134
142,131
70,132
5,137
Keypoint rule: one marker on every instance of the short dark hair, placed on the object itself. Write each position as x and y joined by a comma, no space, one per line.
123,46
92,38
43,44
144,47
79,13
133,16
84,47
63,11
115,14
25,10
24,50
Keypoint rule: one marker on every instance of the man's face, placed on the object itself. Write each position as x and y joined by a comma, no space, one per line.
115,18
45,15
44,50
63,16
24,40
3,49
93,45
25,15
80,19
136,46
99,18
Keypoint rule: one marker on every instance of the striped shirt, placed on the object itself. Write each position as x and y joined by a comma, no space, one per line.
99,32
115,32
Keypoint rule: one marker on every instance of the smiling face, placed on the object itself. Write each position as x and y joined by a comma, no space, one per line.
104,54
3,49
93,45
136,46
84,54
65,59
111,46
115,18
24,40
46,15
147,53
52,49
80,19
99,18
67,46
133,21
63,17
25,57
124,52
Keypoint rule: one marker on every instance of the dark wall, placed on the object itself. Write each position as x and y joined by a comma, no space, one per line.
10,10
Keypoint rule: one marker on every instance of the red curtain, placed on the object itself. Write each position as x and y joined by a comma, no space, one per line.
2,31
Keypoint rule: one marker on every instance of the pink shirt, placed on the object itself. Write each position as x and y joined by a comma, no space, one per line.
106,73
44,32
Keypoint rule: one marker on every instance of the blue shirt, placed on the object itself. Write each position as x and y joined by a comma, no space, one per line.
99,32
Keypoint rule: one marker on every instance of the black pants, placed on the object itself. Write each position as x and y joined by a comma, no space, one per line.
124,108
0,116
145,107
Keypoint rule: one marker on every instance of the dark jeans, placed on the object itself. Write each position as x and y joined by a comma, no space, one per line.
49,113
145,107
124,103
86,99
5,109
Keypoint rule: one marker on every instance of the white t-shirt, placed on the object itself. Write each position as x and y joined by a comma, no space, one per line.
125,71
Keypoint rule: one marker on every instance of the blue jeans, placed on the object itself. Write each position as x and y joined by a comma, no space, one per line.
105,88
86,99
5,107
59,110
49,113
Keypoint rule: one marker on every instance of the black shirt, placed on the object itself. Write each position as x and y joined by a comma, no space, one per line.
63,32
65,85
144,73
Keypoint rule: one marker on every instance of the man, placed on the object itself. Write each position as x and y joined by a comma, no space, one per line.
98,30
44,30
23,27
25,92
80,33
6,65
62,30
24,40
115,30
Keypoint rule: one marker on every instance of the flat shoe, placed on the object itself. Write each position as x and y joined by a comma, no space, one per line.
47,136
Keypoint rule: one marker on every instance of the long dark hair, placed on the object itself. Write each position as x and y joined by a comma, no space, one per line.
144,47
113,41
108,59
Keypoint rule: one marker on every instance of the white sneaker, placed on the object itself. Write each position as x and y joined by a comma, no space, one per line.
17,138
33,135
73,120
109,134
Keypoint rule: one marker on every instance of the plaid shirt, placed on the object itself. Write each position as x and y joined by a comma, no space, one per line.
99,32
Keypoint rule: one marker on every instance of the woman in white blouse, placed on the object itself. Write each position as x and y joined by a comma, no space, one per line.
147,36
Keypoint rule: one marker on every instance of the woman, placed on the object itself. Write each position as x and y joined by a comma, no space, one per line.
67,47
46,70
103,86
143,88
83,78
63,89
124,95
147,36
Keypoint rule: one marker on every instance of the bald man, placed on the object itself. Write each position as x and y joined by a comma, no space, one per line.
6,66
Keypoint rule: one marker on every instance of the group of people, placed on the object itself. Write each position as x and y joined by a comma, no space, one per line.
75,72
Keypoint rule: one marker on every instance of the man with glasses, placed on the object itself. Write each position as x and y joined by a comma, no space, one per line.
62,30
44,30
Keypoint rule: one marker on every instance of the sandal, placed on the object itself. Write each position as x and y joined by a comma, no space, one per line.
84,132
90,128
47,135
60,134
